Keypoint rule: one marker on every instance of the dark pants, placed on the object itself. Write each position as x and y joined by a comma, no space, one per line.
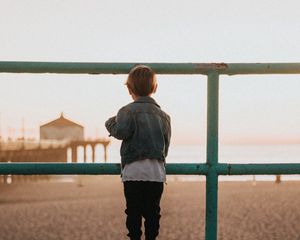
142,200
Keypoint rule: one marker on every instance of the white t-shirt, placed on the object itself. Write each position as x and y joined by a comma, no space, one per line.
144,170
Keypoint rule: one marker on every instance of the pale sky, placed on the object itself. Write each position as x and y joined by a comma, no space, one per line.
252,108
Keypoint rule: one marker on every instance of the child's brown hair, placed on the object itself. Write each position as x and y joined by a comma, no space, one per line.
141,80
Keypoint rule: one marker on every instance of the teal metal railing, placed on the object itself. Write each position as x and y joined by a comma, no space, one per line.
212,168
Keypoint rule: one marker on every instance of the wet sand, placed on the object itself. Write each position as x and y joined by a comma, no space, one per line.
64,211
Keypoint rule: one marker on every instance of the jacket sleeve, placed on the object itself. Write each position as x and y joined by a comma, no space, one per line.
120,126
167,135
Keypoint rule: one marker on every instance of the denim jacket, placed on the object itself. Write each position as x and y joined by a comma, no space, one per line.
144,128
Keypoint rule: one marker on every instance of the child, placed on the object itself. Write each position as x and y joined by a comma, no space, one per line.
145,132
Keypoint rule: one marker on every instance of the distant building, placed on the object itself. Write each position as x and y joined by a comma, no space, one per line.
61,129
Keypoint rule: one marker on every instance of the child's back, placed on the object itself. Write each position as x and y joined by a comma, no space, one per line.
145,130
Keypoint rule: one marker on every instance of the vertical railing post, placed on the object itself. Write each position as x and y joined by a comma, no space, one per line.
212,156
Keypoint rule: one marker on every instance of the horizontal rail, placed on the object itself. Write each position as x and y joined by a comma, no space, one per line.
160,68
171,168
91,168
258,169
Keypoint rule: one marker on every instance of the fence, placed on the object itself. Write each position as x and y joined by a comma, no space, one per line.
212,169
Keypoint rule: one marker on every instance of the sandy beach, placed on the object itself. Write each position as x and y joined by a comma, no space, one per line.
64,211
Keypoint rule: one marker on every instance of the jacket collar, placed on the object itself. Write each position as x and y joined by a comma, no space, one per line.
146,99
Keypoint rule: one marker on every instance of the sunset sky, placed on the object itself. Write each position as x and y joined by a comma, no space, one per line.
253,109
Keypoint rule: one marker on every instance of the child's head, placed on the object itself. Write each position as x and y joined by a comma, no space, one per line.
141,81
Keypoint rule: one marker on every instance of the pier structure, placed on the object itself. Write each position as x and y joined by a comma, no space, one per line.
49,152
92,143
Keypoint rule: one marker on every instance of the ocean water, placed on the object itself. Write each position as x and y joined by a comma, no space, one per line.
289,153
